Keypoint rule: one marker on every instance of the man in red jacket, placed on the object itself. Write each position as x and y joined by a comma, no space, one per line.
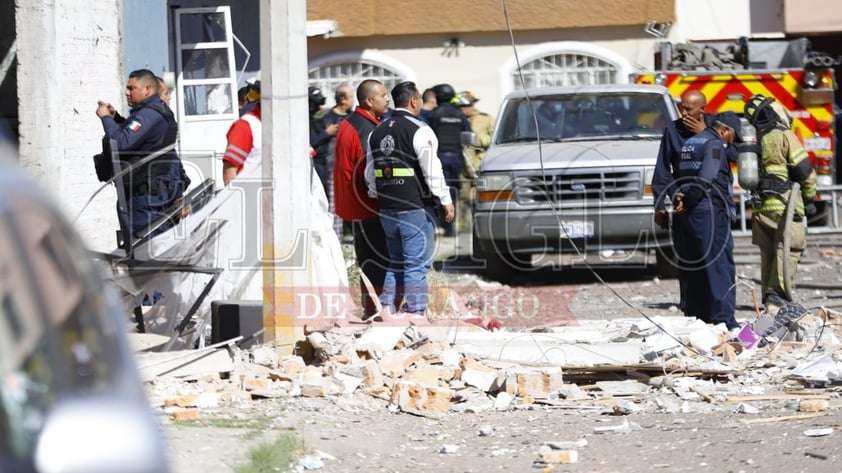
350,191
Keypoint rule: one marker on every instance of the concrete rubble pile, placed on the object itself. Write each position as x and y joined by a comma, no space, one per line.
624,366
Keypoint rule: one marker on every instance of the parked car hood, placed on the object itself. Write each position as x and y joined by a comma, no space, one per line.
520,156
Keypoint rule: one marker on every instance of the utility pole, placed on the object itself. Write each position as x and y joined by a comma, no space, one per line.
286,165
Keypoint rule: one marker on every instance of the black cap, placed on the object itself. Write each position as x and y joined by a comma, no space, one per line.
731,120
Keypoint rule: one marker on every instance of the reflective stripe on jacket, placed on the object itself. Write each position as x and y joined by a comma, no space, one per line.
781,151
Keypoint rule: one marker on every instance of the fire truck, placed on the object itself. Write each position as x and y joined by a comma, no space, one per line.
729,73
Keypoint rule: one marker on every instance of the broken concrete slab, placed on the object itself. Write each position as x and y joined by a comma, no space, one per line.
624,428
818,432
395,363
813,405
185,414
545,348
418,399
543,385
450,357
427,375
379,339
502,401
622,388
265,355
549,455
626,407
348,383
372,376
572,392
478,375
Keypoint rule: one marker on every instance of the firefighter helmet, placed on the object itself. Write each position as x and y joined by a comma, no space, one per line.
315,96
315,99
253,91
444,93
470,96
783,116
759,112
461,100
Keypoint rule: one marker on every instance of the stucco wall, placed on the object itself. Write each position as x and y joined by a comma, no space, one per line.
487,58
711,20
69,56
813,16
390,17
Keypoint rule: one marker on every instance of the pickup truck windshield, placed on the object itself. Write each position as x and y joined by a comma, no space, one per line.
575,117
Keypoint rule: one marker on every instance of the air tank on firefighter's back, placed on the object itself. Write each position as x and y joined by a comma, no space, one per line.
748,169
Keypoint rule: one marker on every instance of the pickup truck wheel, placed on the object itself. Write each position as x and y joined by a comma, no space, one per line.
666,262
504,266
500,266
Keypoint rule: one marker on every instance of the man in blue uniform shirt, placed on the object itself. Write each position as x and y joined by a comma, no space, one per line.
704,211
152,188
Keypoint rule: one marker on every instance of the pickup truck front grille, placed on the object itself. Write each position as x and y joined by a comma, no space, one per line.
575,185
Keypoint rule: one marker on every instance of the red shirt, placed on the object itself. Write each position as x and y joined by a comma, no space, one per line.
350,193
240,141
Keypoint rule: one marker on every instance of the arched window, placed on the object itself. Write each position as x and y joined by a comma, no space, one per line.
568,69
352,67
565,63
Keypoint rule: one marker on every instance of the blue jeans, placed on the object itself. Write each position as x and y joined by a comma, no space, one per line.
410,239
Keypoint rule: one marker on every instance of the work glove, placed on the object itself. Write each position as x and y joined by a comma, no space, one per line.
810,208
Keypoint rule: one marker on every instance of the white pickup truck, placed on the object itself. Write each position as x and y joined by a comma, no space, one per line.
570,169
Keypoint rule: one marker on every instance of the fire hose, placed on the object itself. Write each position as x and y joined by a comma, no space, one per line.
794,196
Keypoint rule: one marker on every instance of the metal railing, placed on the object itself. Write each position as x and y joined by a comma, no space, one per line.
831,195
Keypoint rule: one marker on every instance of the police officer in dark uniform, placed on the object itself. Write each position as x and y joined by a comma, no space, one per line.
448,123
704,212
693,120
320,136
153,188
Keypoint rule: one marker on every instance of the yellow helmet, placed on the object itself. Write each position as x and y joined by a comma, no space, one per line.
253,91
470,96
461,100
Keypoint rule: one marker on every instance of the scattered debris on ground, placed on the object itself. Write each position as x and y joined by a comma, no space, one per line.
620,367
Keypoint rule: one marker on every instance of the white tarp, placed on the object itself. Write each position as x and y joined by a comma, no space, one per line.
221,235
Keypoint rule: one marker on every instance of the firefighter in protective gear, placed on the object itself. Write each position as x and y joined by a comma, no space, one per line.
783,161
482,124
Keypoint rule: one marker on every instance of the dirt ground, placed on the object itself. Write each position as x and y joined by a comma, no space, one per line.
360,435
664,432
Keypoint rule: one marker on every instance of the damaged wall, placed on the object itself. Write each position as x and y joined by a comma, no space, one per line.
69,56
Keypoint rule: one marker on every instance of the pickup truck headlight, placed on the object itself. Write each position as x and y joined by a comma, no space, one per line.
493,187
648,174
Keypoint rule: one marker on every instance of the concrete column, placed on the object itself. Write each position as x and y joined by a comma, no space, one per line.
286,164
69,56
